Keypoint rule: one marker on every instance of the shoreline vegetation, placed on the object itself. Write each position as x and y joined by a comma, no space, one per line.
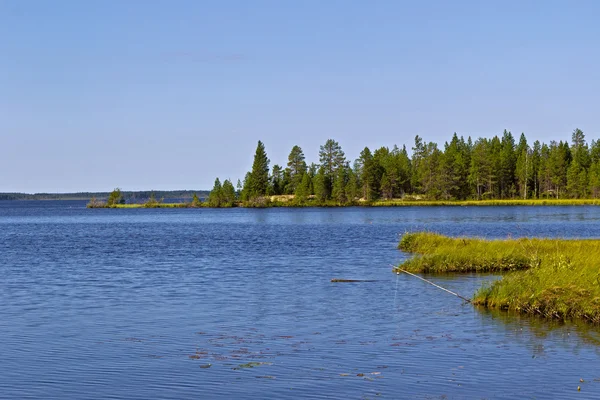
496,171
553,278
277,201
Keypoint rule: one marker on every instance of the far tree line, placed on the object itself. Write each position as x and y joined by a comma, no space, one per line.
496,168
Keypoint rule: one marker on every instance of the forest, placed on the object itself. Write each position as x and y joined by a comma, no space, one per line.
485,169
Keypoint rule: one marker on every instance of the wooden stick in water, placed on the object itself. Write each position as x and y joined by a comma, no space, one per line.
431,283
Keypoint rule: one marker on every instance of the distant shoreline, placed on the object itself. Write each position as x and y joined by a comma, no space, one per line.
127,195
271,203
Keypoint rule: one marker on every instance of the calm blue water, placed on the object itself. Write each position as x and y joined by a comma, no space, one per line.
238,303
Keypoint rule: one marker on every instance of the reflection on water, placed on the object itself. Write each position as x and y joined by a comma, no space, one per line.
239,304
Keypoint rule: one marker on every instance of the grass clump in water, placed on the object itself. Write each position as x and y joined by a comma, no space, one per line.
554,278
438,253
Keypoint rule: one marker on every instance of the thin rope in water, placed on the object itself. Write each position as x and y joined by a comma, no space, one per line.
396,291
433,284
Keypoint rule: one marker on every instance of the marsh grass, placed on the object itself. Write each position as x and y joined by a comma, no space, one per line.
470,203
555,278
145,205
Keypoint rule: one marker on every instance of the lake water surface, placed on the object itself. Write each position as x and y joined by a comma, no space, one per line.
238,303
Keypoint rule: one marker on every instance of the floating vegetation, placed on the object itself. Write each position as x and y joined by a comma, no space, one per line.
552,278
252,364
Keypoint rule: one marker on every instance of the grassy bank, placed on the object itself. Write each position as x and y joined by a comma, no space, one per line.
289,201
476,203
554,278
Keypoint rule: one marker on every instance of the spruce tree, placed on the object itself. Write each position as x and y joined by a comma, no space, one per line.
594,179
368,175
115,197
216,195
196,201
296,167
259,177
303,189
339,187
331,158
276,181
228,194
320,183
351,188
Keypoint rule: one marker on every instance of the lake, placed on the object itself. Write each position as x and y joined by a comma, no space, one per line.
238,303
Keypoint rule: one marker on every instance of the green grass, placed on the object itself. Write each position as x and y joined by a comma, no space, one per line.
470,203
554,278
144,205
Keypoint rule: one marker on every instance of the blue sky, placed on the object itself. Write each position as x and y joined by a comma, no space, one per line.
170,94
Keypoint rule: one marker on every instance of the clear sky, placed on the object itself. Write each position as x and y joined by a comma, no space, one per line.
170,94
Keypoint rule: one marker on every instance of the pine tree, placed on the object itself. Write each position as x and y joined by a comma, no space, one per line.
227,194
368,177
579,149
196,201
339,187
386,187
303,189
558,164
320,185
456,168
276,181
594,179
524,170
215,198
246,187
417,159
536,154
115,197
331,158
259,177
239,188
296,167
507,164
351,188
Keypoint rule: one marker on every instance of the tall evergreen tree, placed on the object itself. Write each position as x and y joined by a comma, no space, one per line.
479,167
594,179
331,158
320,185
558,164
352,192
507,164
579,149
215,197
296,167
339,187
277,183
577,185
227,194
524,166
259,177
303,190
368,175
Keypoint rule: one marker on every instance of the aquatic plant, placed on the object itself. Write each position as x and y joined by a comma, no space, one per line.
554,278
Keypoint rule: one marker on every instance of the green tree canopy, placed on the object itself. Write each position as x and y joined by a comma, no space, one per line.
259,176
